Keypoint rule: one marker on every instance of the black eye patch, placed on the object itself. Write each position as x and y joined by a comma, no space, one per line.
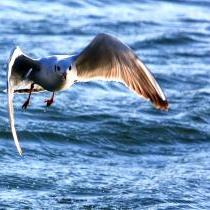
69,68
58,68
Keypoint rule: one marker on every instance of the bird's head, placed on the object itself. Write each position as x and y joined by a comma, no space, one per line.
62,69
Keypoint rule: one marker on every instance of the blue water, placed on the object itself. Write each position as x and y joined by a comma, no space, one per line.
100,146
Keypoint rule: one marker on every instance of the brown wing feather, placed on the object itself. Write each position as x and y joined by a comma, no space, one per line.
106,57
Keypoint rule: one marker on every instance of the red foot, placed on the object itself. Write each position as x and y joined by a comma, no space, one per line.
25,105
49,102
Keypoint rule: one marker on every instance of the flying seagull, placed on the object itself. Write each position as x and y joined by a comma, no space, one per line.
105,58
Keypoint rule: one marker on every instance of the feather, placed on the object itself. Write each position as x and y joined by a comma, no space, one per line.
108,58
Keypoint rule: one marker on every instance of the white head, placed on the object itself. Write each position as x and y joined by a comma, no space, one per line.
65,69
62,67
57,72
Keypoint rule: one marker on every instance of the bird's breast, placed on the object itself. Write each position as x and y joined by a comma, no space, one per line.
49,82
53,82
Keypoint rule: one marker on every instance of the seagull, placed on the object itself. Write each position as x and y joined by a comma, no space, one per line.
104,58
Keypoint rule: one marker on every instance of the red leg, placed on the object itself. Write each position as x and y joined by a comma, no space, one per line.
26,103
50,101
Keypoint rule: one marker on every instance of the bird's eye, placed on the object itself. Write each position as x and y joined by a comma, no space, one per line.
58,68
69,67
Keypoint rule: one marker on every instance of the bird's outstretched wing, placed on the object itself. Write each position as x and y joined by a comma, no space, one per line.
20,68
108,58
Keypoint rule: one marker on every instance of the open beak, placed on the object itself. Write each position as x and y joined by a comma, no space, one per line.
64,75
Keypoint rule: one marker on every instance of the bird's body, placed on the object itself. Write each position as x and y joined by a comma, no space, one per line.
105,58
46,74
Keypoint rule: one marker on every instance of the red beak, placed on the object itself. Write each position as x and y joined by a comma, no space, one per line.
64,75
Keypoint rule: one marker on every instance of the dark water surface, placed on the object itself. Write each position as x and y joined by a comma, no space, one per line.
100,146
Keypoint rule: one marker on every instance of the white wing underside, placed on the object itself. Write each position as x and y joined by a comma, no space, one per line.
106,58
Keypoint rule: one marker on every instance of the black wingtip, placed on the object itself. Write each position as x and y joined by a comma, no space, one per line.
162,105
